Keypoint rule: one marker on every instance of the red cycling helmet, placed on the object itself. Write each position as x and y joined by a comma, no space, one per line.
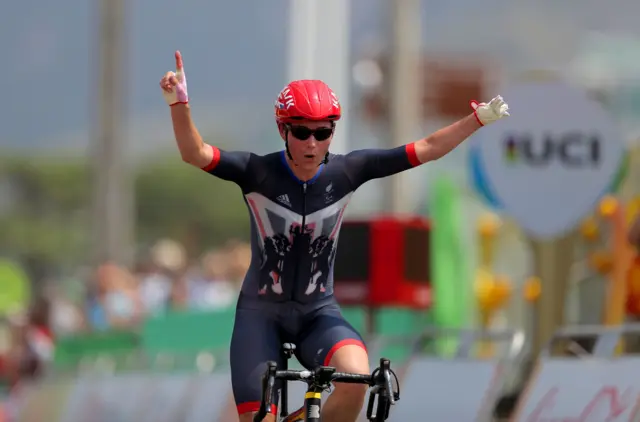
307,100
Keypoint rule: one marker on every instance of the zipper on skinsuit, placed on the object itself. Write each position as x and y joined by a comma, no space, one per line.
302,228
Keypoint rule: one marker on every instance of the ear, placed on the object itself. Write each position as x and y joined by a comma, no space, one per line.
283,131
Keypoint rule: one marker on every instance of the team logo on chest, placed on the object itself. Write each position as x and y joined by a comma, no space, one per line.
280,233
328,193
284,200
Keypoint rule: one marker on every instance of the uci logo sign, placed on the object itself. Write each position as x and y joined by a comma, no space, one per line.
571,149
547,165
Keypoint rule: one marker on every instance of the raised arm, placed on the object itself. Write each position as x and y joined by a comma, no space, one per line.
367,164
192,148
232,166
445,140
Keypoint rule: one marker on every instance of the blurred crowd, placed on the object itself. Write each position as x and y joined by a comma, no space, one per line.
114,297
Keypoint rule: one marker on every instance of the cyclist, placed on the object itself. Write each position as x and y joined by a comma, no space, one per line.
297,198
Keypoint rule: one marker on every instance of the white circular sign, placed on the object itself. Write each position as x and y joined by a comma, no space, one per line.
549,163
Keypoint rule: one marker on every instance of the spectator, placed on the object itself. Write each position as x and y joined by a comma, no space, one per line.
155,288
18,362
115,302
167,259
31,345
66,315
180,292
38,334
239,259
213,288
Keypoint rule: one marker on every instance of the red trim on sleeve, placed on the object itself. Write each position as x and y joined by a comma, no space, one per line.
411,154
214,160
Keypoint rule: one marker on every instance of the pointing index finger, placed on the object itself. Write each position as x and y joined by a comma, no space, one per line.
178,61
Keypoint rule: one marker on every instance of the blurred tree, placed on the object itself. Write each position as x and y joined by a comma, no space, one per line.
46,207
45,217
187,205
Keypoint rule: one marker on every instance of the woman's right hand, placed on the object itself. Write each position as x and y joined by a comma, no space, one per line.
174,84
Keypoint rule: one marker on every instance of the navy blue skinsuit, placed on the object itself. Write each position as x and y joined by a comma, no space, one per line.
287,293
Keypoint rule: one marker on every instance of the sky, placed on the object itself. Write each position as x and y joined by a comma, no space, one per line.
235,56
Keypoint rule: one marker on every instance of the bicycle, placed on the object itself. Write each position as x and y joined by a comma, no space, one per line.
320,380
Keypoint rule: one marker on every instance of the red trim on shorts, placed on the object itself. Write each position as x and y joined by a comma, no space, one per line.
253,406
340,344
214,160
411,154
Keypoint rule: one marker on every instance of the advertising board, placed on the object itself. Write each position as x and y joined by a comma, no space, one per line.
548,164
583,390
456,390
438,390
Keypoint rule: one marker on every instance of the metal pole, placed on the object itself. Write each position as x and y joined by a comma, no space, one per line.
113,194
553,260
405,93
319,49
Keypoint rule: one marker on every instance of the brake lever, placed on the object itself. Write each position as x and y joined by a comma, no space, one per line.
396,394
389,386
385,376
268,387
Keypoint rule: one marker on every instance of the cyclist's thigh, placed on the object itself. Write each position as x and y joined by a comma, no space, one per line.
255,341
326,332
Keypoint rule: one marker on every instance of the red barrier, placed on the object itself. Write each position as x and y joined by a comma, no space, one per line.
384,262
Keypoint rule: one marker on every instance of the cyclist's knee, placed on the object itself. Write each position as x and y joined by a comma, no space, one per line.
354,359
350,358
248,417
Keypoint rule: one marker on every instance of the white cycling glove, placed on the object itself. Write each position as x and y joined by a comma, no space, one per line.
487,113
177,94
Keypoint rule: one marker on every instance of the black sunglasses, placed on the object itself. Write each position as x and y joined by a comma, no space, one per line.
303,133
